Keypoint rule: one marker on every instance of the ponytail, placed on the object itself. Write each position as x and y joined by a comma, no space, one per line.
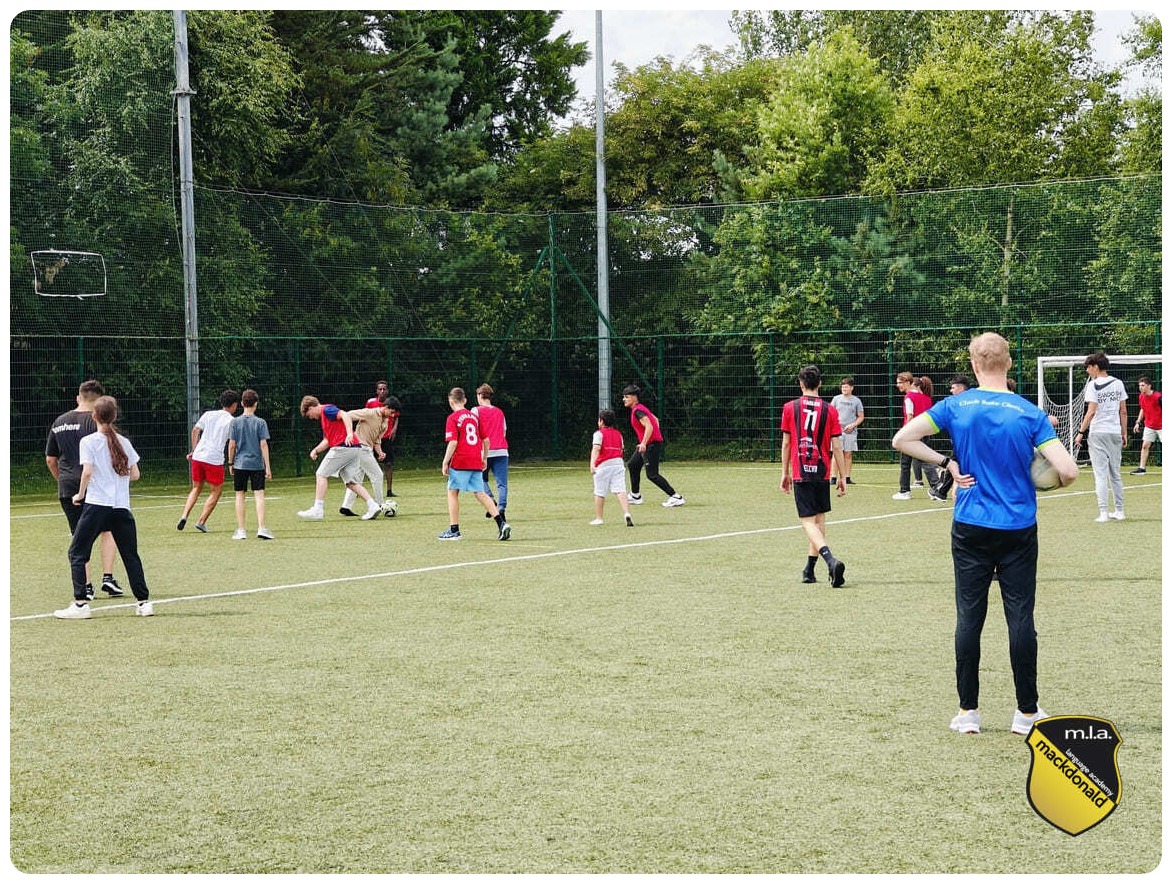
105,413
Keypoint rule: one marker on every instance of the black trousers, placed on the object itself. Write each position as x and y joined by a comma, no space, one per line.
976,552
120,523
651,458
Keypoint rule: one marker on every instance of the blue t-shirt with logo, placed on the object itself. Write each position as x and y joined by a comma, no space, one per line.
994,434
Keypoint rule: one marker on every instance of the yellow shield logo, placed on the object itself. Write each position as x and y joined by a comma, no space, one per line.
1074,773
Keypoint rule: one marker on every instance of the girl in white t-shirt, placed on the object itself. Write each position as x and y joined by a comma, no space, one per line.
108,465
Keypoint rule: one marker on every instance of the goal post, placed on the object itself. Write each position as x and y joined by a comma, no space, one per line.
1060,392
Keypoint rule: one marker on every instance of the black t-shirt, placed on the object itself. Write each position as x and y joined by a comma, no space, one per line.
64,443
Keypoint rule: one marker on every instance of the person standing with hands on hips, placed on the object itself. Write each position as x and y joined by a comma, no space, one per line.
994,523
648,450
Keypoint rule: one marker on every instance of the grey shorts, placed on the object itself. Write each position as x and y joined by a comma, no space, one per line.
343,463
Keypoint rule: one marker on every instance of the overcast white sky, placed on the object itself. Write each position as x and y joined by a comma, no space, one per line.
635,37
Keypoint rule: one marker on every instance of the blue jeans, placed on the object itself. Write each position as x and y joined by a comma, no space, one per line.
498,468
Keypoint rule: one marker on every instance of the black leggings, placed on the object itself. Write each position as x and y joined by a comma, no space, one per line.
119,522
651,459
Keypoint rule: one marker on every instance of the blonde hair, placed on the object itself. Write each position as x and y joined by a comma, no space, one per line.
989,353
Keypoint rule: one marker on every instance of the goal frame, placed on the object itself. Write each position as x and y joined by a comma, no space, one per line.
1072,362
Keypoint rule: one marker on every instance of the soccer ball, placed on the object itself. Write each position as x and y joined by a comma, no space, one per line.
390,508
1044,473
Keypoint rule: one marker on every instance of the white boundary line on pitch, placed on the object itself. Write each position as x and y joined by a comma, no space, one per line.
137,508
529,558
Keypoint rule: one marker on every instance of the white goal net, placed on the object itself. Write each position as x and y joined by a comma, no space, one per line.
1062,382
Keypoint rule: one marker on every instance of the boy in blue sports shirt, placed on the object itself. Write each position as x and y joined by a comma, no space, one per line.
249,463
994,435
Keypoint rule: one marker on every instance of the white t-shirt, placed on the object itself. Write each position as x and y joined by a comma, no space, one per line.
1106,392
214,436
106,488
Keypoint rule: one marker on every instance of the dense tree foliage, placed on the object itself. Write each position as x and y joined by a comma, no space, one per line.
339,115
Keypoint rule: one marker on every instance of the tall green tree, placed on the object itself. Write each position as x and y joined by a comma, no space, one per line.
1142,149
1002,98
822,127
510,65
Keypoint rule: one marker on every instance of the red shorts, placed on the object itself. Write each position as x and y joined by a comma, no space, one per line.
212,473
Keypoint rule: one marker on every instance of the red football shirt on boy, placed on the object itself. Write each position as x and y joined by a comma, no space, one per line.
811,423
463,428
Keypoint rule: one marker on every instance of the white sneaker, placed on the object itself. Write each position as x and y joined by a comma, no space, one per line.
240,534
144,609
674,500
967,722
1118,515
313,513
74,612
596,521
902,495
1022,723
1103,517
635,498
263,533
372,511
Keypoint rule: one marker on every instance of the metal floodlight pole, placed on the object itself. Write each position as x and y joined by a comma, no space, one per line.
183,93
604,360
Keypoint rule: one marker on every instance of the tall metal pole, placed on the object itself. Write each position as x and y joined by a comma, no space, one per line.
600,199
183,93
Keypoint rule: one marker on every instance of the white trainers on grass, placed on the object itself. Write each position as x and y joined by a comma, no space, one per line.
240,534
144,609
675,500
74,612
967,722
1022,723
313,514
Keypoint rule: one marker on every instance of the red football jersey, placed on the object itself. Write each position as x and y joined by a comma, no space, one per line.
464,429
811,423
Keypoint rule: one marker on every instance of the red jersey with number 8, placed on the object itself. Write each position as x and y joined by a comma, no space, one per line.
464,429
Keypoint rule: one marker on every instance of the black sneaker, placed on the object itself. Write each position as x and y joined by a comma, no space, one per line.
89,592
808,576
346,511
1139,471
111,588
837,570
850,481
182,524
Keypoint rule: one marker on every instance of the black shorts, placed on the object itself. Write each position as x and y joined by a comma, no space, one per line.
389,451
242,478
812,498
